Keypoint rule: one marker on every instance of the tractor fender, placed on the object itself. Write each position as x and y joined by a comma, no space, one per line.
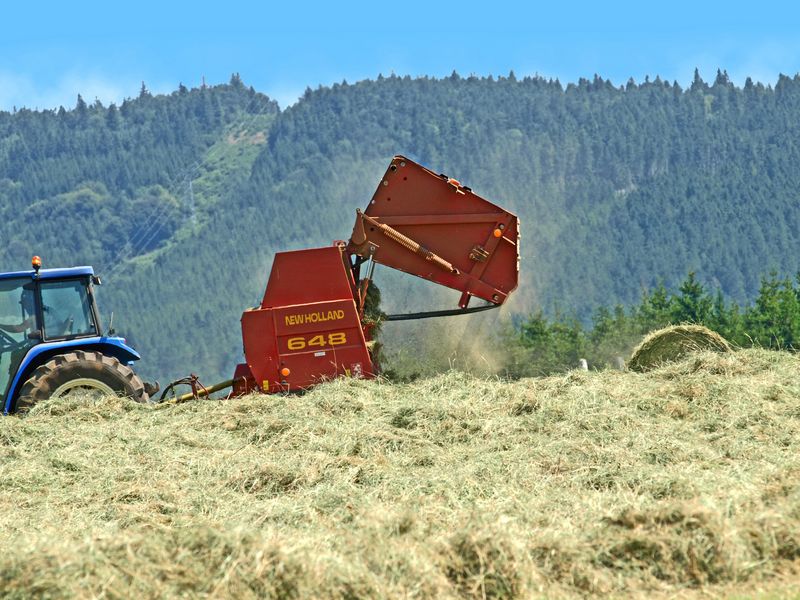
41,353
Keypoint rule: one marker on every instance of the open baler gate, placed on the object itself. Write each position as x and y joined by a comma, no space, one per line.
310,324
433,227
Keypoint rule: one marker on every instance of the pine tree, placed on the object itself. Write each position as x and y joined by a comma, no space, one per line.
698,85
693,305
112,117
81,110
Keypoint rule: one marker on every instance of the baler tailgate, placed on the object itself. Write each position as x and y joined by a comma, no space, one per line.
431,226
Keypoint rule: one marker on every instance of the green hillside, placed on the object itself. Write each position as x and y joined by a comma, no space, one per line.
618,188
682,482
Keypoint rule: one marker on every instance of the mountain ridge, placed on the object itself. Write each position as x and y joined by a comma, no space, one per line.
618,188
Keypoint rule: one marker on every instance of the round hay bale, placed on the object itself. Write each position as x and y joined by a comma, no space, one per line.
673,343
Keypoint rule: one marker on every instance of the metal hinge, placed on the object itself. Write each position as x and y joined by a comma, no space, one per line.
479,254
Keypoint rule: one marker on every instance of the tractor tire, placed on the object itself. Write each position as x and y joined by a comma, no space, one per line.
80,370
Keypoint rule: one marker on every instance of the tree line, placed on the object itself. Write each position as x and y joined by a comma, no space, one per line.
543,345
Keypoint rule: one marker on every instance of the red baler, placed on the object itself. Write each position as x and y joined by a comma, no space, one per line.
310,325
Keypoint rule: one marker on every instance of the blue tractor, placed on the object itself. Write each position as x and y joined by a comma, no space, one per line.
51,344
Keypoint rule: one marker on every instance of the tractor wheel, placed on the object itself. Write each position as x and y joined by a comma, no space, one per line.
80,371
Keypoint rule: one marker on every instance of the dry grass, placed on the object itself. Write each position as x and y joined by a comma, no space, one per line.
674,343
684,480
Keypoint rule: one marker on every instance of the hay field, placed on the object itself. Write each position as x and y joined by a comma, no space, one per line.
681,481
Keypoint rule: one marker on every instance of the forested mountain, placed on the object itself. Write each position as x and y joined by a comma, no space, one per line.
181,200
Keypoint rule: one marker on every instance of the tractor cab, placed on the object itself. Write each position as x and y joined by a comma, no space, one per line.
45,313
18,321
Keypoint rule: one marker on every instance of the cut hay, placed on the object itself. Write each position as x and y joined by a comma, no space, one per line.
673,343
678,483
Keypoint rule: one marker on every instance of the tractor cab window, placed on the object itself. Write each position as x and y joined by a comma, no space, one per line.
17,320
67,309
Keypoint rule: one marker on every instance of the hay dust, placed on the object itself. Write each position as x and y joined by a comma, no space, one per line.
471,344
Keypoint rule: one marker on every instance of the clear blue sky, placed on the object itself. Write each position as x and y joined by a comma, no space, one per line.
50,52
